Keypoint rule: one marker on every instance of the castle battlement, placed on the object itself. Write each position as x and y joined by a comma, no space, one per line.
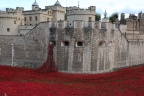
60,8
35,12
82,12
76,10
80,24
18,9
2,12
9,15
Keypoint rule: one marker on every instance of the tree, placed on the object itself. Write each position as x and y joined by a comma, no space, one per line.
97,17
113,17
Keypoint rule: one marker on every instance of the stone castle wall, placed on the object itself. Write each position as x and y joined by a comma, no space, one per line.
6,49
101,50
121,50
98,51
136,52
29,50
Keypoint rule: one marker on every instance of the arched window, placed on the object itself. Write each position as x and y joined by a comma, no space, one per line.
90,19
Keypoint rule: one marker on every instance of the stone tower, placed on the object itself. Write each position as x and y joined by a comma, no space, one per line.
58,11
86,15
122,19
35,6
122,16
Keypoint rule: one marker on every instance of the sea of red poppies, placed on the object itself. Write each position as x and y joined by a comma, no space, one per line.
16,81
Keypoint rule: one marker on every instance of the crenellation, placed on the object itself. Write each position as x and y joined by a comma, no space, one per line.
75,24
81,12
60,8
11,10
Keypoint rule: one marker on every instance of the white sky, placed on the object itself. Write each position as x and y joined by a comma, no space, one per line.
111,6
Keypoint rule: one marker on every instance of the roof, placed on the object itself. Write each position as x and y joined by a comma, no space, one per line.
35,4
57,3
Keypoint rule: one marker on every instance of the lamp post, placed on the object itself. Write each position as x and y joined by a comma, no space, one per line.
133,29
12,54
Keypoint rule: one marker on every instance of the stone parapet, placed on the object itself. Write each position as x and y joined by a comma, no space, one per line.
18,9
74,24
77,11
60,8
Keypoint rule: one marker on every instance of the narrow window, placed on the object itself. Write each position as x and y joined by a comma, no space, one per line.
90,19
47,19
35,18
25,18
8,29
30,18
50,13
14,22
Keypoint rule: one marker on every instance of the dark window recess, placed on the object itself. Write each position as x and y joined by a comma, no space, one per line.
66,43
48,19
25,18
8,29
102,44
90,19
30,18
36,18
79,43
14,22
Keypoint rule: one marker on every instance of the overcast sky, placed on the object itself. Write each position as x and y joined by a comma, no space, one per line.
111,6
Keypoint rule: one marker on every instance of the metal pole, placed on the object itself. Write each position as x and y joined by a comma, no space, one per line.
133,30
12,53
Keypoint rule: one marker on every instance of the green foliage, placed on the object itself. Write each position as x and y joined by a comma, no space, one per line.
113,17
97,17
